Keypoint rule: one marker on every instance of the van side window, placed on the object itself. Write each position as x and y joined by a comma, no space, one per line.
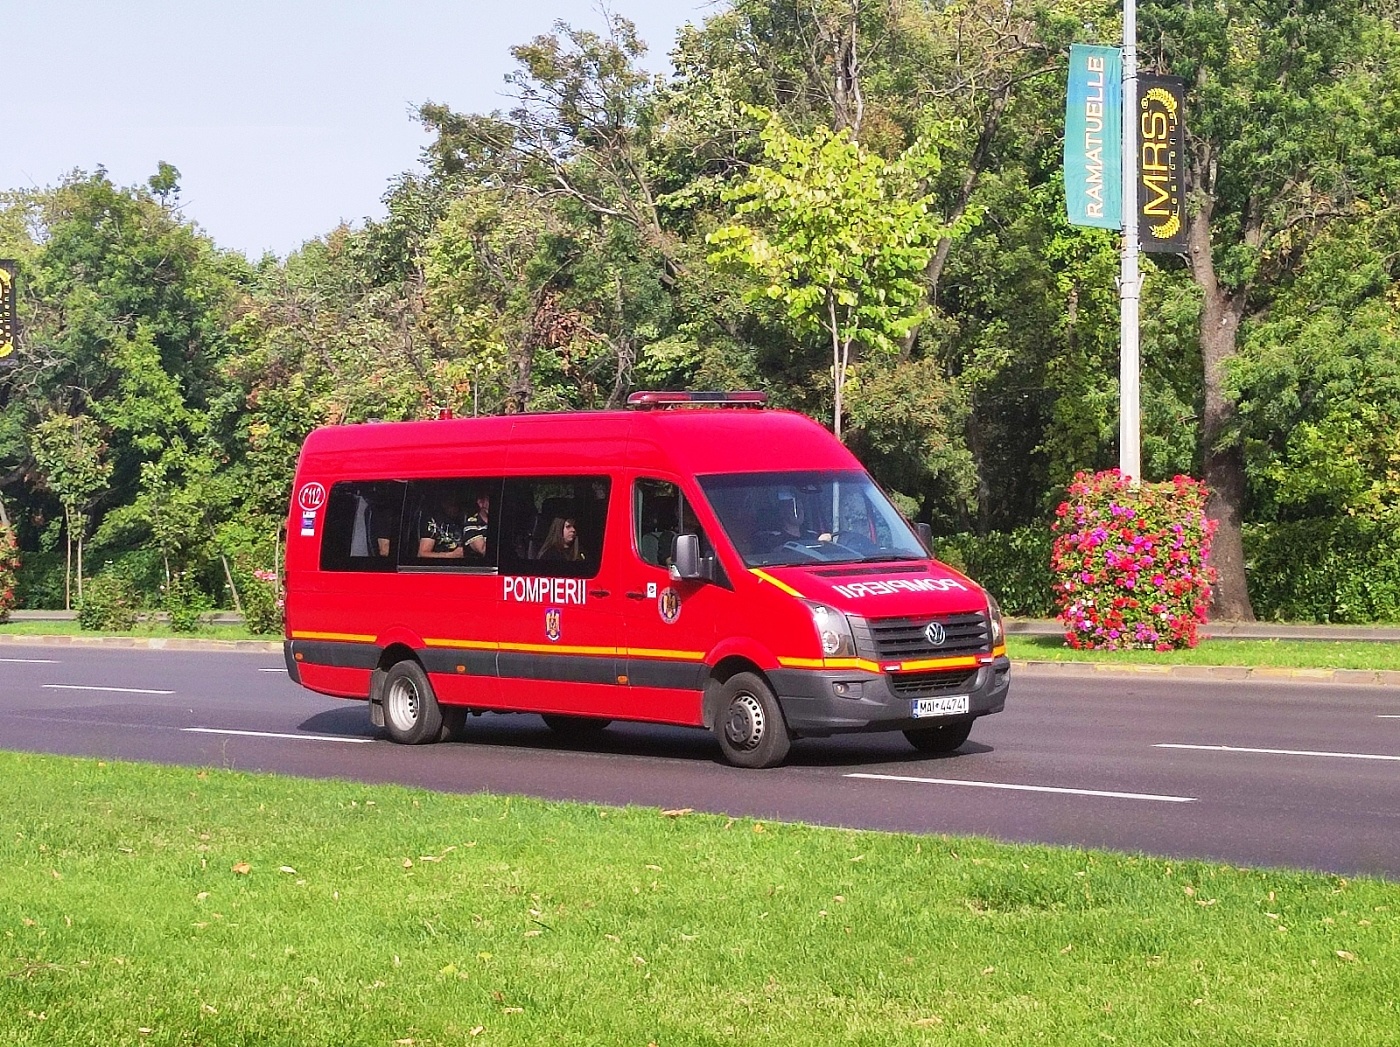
659,513
362,526
553,525
451,523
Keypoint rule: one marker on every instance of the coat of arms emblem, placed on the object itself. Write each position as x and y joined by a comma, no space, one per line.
551,623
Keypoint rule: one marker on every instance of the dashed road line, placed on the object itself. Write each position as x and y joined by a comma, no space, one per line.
32,661
1277,752
273,734
1026,788
117,690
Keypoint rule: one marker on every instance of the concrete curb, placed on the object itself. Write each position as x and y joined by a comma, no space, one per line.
1256,674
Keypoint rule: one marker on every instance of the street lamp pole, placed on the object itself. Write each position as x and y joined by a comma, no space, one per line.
1130,280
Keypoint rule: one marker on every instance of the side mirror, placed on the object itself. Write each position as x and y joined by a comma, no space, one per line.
926,536
685,558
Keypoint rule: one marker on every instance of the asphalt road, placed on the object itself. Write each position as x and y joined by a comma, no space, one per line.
1295,774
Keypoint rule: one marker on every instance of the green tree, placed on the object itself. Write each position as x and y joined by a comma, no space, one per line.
1288,134
841,238
71,457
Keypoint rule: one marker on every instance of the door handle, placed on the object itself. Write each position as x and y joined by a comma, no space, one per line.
636,596
599,593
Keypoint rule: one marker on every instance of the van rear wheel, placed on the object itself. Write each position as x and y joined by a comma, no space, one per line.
939,739
411,712
749,723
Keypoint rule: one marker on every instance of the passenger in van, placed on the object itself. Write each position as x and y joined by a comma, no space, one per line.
562,541
442,534
475,532
657,545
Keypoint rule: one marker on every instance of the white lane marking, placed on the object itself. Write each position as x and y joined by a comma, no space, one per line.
279,669
119,690
1277,752
1387,716
32,661
1026,788
271,734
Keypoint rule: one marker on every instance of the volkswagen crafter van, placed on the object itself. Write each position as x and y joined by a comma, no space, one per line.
697,559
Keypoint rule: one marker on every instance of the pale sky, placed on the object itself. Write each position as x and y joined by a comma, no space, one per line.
283,116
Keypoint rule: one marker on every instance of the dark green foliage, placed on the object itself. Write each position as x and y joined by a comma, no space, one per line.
262,607
109,602
185,603
1344,569
1014,567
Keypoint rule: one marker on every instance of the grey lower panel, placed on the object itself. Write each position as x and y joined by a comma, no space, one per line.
812,706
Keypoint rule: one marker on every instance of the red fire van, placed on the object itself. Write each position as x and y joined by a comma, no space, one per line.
697,559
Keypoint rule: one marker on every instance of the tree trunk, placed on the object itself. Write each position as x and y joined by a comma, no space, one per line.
68,561
1223,470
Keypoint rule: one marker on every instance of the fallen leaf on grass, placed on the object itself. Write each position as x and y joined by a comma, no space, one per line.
931,1020
287,869
1348,956
514,1010
676,812
242,868
477,1031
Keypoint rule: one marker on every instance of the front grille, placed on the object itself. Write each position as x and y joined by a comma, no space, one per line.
902,639
922,685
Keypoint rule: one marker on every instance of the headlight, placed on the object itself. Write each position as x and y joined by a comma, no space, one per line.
833,631
994,616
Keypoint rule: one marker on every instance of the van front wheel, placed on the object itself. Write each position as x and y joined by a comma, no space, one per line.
411,713
749,724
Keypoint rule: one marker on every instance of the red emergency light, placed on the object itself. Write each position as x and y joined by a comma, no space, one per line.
649,400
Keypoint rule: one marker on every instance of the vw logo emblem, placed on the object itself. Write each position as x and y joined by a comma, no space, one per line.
935,634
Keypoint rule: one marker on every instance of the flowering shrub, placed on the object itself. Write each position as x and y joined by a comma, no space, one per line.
1130,565
9,570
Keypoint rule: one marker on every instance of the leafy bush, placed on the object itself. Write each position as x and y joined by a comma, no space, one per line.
9,571
1130,564
262,607
109,602
185,602
1014,567
1344,569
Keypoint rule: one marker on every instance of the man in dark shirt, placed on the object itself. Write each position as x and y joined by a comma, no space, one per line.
442,537
474,533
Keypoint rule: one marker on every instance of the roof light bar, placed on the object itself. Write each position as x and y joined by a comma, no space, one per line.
710,398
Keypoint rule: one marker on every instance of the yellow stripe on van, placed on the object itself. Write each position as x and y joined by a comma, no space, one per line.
939,663
851,663
346,637
464,645
765,576
647,652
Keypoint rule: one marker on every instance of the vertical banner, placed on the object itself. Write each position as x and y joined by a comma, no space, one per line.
1094,137
1161,191
8,323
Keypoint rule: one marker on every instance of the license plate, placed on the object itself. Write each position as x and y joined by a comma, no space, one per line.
950,705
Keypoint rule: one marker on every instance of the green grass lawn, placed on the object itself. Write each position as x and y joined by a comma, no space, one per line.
171,906
143,629
1280,654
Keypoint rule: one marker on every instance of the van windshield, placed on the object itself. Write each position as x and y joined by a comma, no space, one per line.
809,517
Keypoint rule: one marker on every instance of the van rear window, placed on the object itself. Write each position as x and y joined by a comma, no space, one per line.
362,526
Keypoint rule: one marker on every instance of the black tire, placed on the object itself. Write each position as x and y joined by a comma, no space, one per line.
574,726
939,739
454,722
411,713
749,723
